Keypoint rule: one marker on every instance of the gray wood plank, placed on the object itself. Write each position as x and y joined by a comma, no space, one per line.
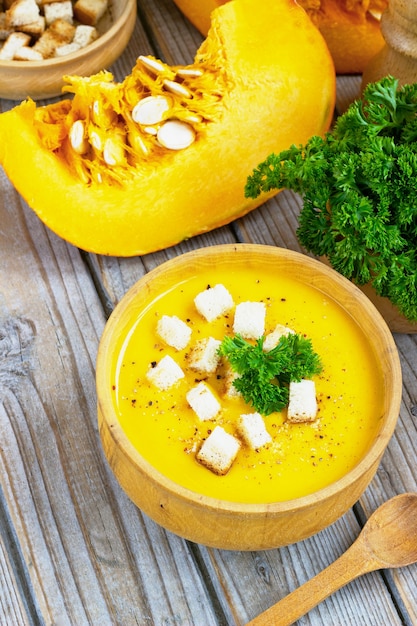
274,224
257,580
14,608
91,556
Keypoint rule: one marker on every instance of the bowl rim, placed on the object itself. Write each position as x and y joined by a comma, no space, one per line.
130,5
372,456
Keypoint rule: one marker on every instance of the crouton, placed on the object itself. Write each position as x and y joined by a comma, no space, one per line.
251,427
13,43
228,388
5,31
203,356
203,402
84,35
165,374
47,44
90,11
43,2
213,302
63,29
218,451
174,331
249,321
272,339
34,29
59,11
59,33
22,12
67,48
302,405
25,53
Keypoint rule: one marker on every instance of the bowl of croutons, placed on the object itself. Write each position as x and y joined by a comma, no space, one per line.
42,41
246,395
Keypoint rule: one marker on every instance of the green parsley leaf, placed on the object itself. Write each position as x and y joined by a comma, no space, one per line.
264,376
265,397
359,188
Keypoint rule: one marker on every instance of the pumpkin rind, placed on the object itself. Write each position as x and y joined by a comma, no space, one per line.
268,92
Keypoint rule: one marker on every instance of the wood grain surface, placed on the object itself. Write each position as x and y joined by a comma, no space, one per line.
73,549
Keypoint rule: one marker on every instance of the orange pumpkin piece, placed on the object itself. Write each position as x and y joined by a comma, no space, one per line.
351,28
133,167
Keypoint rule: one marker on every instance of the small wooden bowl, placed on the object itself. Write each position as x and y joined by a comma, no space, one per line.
219,523
44,79
396,321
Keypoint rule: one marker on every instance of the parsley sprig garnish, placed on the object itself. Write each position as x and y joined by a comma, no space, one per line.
264,376
359,188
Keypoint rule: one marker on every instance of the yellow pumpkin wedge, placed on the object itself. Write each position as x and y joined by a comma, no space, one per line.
133,167
351,28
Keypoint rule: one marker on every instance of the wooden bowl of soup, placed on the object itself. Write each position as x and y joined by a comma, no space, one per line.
298,476
106,28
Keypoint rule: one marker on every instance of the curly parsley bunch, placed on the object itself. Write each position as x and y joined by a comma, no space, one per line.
359,188
264,377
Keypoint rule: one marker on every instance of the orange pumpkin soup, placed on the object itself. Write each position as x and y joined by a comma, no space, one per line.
301,458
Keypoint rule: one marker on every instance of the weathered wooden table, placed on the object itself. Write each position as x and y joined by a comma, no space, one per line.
73,549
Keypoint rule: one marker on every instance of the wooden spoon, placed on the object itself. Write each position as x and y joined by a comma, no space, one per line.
388,539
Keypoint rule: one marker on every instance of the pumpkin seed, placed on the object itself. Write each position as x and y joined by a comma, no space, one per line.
151,130
77,137
95,140
150,110
102,116
191,118
113,152
152,64
137,143
176,135
189,72
375,13
177,89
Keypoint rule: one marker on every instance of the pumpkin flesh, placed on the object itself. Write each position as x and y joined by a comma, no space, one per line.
254,96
